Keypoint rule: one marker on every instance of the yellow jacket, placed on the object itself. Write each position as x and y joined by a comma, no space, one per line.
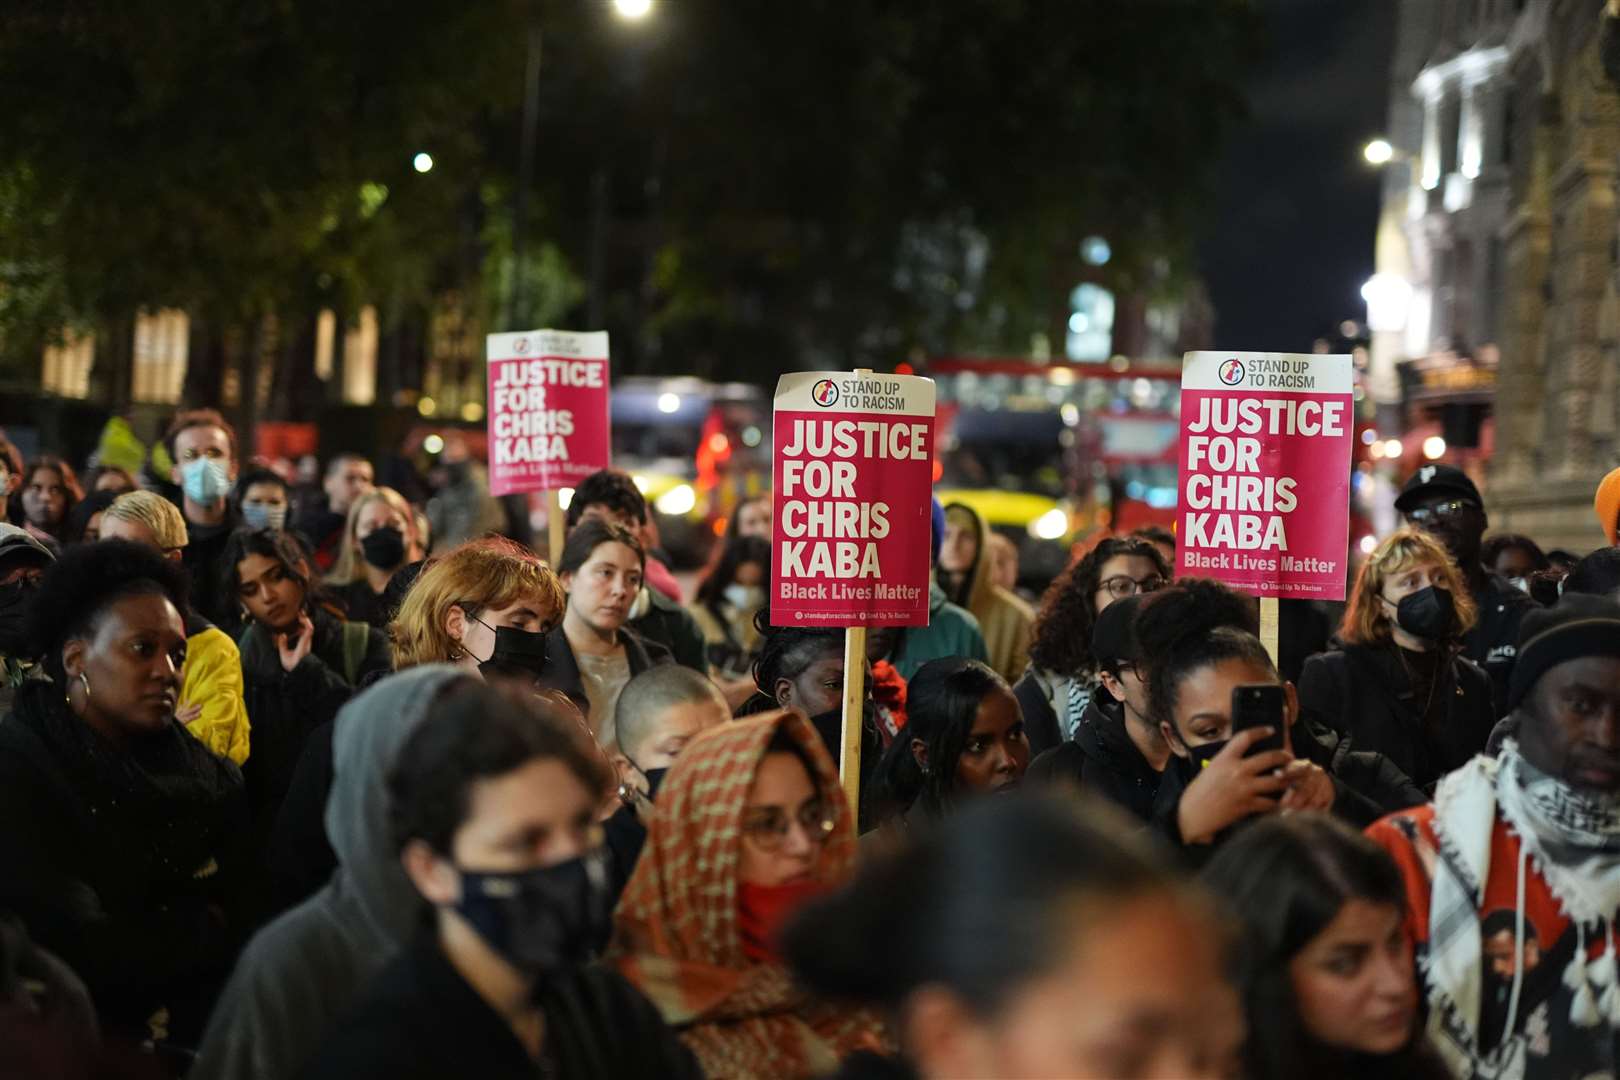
212,678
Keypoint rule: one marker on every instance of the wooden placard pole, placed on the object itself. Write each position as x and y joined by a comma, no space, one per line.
1268,627
849,757
554,527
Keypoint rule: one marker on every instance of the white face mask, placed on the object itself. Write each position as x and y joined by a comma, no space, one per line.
744,597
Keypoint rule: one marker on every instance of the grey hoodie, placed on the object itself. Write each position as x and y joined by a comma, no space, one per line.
302,972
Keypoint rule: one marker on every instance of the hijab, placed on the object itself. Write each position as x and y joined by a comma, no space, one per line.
677,933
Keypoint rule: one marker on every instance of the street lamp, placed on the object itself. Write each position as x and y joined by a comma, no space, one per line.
422,162
1378,152
633,9
1388,297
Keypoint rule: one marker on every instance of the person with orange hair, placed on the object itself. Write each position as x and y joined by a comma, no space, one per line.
1400,685
751,823
485,607
459,606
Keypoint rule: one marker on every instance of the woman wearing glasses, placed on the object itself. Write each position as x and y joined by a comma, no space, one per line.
1062,674
1400,685
751,823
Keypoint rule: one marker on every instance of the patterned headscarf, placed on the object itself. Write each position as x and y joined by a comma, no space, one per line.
676,933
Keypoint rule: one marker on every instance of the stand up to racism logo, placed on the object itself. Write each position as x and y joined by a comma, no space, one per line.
825,393
1232,372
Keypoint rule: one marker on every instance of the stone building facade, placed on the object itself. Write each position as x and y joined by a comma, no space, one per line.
1510,129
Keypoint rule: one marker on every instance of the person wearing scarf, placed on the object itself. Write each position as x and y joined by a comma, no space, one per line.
1513,873
744,804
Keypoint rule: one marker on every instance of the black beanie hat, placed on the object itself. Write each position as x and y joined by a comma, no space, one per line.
1578,625
1113,638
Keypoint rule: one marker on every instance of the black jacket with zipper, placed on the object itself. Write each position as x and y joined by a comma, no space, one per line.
1363,692
1103,761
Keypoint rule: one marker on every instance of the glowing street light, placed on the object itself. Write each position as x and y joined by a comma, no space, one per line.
1378,152
633,9
422,162
1434,447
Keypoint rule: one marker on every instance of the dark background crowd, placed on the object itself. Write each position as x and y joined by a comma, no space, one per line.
320,779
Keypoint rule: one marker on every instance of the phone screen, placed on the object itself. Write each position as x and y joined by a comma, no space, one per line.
1262,705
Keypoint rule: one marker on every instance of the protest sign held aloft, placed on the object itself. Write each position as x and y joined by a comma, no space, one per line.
853,482
548,409
1265,472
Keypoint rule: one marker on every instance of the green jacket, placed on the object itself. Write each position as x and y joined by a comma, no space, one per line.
951,631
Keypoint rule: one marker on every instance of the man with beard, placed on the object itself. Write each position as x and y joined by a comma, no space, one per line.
1513,873
1442,501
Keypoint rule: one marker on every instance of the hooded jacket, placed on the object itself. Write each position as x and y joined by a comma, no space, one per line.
1103,761
1004,619
951,631
302,972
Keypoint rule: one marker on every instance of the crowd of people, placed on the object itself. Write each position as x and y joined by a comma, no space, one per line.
294,785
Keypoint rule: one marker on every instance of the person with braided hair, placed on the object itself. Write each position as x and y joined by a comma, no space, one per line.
802,668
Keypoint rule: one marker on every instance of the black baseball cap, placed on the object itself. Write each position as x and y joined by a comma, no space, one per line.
1436,478
1113,638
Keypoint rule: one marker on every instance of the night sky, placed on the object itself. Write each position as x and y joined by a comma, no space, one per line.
1290,240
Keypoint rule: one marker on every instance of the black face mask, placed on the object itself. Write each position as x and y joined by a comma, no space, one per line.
1429,613
655,780
1204,753
383,548
517,652
545,921
14,616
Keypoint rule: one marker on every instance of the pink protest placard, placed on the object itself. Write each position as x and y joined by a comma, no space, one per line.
853,470
548,409
1265,472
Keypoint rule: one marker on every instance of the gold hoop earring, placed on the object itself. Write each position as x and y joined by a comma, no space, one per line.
67,695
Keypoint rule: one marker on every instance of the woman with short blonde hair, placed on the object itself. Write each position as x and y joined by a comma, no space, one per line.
1399,684
462,598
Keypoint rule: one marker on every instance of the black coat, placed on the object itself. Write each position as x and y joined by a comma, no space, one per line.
284,707
562,670
1363,693
362,605
202,558
422,1021
1103,761
124,863
672,626
1041,725
1366,786
1493,643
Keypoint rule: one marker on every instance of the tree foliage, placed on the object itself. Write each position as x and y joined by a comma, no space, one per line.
746,186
